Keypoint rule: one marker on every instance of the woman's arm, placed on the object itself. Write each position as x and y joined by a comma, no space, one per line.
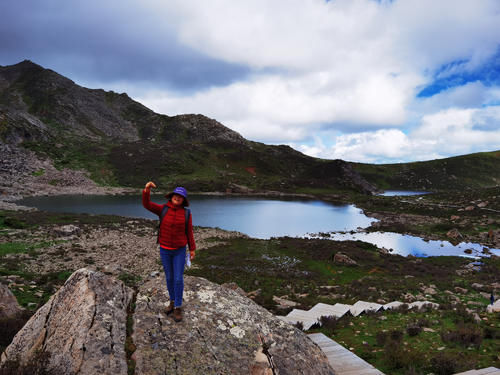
146,200
191,243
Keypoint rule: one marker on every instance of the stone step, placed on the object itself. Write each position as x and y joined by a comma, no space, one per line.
312,316
483,371
343,361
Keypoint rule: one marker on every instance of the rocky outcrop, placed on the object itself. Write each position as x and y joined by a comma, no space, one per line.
222,333
341,258
82,327
83,330
8,303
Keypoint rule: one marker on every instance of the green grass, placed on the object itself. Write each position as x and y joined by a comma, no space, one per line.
361,335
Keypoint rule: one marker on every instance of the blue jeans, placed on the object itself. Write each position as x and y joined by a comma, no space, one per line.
173,265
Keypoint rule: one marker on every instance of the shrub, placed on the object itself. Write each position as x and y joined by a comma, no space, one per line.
413,330
394,355
465,335
329,323
444,364
423,323
491,333
396,335
299,325
450,363
381,338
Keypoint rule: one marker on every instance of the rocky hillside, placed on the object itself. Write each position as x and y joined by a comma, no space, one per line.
120,142
96,325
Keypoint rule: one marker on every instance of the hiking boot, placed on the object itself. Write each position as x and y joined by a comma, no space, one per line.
177,314
170,308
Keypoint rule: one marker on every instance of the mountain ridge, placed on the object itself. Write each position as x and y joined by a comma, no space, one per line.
118,140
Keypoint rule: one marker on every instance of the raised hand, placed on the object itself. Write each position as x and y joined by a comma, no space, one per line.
150,185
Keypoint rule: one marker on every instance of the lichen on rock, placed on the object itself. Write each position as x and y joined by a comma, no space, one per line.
222,333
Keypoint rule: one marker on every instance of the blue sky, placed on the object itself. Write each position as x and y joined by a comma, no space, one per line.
360,80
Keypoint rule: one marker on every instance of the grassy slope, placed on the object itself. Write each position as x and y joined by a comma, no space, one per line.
296,269
456,173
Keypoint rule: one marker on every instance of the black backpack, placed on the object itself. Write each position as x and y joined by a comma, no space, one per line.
164,210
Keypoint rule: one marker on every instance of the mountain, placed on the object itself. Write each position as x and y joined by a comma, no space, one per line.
477,170
123,143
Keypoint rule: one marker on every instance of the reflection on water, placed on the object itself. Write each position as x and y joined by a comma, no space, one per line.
405,245
257,217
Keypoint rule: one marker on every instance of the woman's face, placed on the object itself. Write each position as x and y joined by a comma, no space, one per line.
177,199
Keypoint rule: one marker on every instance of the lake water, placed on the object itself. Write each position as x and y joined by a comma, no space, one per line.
263,218
403,244
257,217
393,193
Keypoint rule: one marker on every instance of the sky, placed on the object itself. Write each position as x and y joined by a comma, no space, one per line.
359,80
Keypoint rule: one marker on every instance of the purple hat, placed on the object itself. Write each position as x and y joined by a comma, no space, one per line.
182,192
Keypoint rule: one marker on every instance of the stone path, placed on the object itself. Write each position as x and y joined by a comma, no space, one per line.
484,371
312,316
343,361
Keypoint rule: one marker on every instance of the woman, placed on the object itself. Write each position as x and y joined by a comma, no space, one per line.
175,232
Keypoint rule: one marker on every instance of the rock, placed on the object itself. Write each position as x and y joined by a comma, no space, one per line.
343,259
469,208
82,327
284,303
409,297
67,230
454,234
468,251
235,287
426,329
477,286
460,290
483,204
221,332
430,291
454,217
8,303
494,308
254,293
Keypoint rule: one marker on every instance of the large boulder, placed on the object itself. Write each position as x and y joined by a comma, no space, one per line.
222,333
8,303
82,328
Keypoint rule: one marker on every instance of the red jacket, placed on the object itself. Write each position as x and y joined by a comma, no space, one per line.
173,226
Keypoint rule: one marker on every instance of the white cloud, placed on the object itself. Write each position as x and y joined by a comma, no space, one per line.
448,132
344,65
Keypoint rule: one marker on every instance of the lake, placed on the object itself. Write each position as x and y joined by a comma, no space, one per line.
262,218
393,193
257,217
